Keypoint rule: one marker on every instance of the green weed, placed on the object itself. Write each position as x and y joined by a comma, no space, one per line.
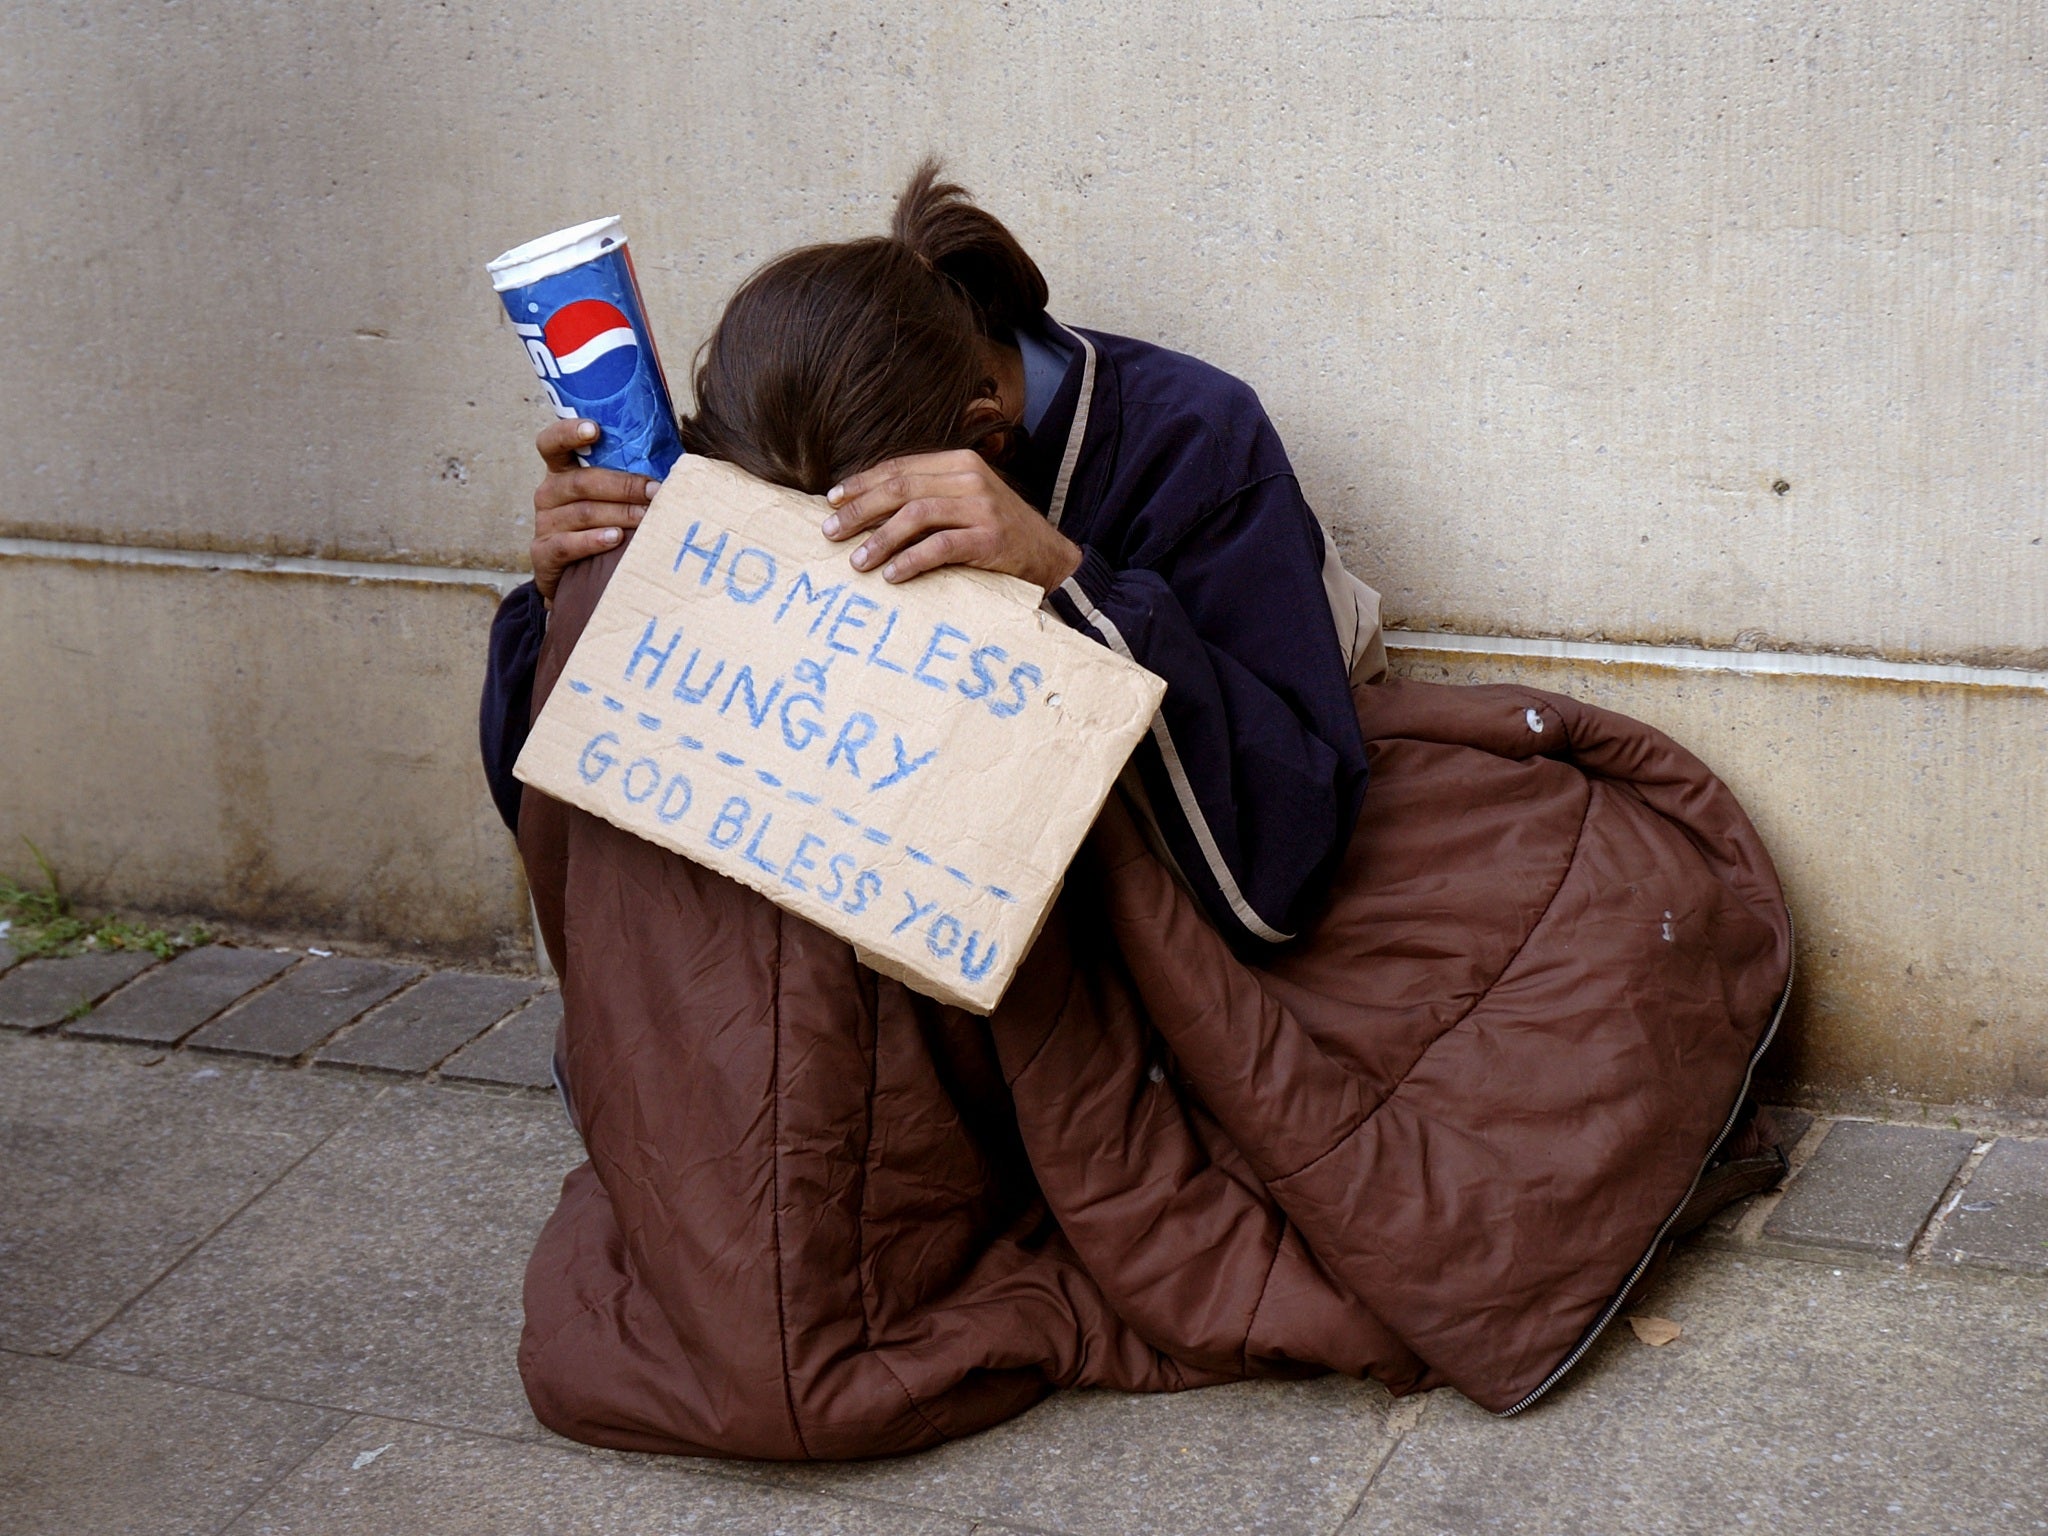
42,923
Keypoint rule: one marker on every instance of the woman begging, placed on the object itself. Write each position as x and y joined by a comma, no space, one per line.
918,383
1416,1092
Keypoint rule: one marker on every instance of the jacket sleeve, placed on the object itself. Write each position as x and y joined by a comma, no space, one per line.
506,713
1254,765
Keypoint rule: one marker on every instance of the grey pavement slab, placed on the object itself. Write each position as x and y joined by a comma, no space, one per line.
1263,1456
1869,1188
304,1008
515,1054
418,1029
1856,1401
2000,1220
382,1275
40,993
115,1168
379,1478
165,1006
97,1453
7,955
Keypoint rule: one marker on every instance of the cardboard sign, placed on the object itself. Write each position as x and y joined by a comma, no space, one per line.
909,767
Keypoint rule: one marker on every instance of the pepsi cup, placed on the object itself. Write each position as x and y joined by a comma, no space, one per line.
575,302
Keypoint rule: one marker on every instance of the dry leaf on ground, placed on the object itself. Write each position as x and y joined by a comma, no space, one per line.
1655,1331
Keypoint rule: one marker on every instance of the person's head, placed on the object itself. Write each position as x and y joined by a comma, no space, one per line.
832,358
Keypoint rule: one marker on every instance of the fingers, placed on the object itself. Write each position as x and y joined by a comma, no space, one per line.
557,552
968,531
612,485
580,515
854,485
927,510
867,499
560,441
885,495
911,522
945,546
579,510
875,493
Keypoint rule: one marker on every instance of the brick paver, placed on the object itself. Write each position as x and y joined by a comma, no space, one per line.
41,993
515,1054
304,1008
2000,1220
1870,1188
419,1029
167,1005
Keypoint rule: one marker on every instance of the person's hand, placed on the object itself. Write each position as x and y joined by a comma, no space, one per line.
579,512
934,509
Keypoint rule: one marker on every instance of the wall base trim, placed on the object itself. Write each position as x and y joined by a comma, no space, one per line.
1685,658
500,582
1671,657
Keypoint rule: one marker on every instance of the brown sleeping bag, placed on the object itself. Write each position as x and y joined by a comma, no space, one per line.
824,1216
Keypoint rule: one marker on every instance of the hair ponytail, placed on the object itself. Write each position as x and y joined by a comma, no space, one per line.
943,228
832,358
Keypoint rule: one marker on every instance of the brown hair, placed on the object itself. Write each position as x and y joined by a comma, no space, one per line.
831,358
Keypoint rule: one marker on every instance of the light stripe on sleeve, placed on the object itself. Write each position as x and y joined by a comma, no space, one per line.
1058,505
1177,775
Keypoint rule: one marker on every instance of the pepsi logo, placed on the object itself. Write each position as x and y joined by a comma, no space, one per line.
594,346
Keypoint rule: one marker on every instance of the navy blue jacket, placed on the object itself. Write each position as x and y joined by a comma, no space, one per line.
1201,561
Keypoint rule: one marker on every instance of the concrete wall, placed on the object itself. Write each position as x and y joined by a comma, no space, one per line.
285,749
1720,327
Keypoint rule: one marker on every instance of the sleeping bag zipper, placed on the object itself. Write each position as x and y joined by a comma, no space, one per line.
1613,1307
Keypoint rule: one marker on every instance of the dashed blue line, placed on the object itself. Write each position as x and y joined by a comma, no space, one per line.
802,797
579,687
